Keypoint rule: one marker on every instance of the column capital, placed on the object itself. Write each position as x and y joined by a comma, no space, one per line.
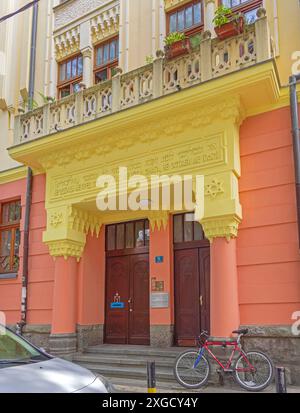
87,52
67,228
221,227
66,248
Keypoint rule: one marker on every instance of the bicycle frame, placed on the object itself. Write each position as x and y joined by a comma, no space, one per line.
236,349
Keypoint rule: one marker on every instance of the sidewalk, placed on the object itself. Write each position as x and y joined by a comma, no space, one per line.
208,389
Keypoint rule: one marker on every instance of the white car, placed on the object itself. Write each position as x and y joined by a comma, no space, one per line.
24,368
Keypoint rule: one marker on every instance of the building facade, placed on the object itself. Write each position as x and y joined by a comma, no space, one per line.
108,96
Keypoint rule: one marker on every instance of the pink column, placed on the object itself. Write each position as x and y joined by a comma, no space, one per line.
225,315
65,296
162,319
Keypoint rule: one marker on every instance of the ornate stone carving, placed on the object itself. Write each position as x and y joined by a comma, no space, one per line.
214,188
56,219
72,10
69,240
229,110
221,227
67,43
66,248
105,24
158,219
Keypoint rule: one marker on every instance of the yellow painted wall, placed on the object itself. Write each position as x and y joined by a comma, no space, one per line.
142,29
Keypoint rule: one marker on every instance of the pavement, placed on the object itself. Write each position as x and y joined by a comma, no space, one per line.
208,389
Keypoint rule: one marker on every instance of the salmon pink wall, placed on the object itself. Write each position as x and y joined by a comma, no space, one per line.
41,265
161,245
10,290
91,281
267,247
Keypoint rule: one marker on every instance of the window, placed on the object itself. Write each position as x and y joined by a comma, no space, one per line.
185,229
106,60
248,7
188,19
10,216
70,76
128,235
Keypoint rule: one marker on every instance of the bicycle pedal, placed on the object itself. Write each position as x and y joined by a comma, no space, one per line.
228,371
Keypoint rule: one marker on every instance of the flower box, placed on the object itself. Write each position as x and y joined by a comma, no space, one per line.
178,48
230,29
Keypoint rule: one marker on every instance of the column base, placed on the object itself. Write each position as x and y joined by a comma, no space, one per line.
162,336
63,345
89,336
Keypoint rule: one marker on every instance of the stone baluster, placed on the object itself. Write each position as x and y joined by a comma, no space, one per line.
263,38
210,7
46,119
79,107
17,129
116,90
206,57
158,64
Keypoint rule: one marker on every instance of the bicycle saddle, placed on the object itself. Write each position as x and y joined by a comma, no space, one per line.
243,331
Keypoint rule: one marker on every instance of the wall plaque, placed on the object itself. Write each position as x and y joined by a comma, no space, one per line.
159,300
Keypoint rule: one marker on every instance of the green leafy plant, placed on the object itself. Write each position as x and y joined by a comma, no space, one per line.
223,15
174,37
149,60
47,99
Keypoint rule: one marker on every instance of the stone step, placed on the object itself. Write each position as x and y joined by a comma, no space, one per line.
134,372
121,360
136,351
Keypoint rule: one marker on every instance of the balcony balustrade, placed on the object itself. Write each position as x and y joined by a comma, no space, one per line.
213,58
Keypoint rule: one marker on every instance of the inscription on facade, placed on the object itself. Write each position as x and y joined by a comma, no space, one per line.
183,159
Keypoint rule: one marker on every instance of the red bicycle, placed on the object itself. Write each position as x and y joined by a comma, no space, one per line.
253,370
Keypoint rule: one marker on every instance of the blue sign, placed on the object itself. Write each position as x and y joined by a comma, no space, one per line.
159,260
117,305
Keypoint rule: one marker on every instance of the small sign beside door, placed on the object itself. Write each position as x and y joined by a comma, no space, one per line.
159,300
117,306
159,259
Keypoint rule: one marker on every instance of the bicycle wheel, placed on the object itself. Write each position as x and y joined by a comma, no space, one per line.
257,379
190,370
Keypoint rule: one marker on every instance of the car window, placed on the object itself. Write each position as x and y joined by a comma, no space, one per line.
13,347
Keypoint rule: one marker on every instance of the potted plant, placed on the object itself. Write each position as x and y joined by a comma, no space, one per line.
176,44
228,24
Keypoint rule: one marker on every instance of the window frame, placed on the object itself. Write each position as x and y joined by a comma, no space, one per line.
245,7
195,29
111,64
73,80
184,244
128,250
13,226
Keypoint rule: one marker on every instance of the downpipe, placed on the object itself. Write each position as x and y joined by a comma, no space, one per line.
20,326
296,141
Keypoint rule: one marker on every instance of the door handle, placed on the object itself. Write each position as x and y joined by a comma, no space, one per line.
130,307
201,300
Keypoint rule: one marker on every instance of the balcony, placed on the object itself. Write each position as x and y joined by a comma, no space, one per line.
210,60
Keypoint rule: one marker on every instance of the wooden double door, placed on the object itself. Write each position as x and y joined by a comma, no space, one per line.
127,300
192,293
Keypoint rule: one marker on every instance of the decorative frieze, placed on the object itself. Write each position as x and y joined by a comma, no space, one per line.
105,24
72,10
67,43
